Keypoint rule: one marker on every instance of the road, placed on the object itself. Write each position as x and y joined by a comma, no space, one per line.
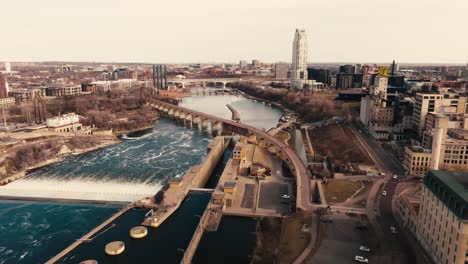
393,245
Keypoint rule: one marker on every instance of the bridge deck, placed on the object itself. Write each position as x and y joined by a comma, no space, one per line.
299,169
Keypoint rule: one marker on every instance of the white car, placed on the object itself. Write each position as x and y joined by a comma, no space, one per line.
285,196
393,230
384,193
395,176
361,259
363,248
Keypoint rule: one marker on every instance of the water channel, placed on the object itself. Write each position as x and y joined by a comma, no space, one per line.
125,171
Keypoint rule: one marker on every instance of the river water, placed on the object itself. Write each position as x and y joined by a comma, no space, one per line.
33,232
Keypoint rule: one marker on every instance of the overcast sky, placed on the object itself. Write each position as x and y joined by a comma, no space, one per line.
228,31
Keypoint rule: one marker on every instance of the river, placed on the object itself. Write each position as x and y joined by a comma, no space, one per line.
122,172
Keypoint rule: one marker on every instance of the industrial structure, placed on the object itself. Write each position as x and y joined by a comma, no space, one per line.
160,77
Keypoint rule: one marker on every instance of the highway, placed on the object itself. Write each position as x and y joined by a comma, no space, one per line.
303,199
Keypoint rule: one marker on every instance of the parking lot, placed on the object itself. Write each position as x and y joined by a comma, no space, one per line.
270,196
247,198
340,240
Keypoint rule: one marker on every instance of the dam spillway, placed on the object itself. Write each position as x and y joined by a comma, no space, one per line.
124,172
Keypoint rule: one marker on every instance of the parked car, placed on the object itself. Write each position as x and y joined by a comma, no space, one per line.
285,196
363,248
393,230
326,219
384,193
395,176
361,259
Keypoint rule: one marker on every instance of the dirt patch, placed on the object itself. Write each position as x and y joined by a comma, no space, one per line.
268,239
293,238
337,191
339,143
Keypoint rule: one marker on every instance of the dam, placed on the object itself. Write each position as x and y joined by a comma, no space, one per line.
169,151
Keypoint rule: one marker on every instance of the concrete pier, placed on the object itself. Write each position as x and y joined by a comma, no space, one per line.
235,113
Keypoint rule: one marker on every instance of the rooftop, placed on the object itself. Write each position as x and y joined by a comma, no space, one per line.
451,187
229,184
419,149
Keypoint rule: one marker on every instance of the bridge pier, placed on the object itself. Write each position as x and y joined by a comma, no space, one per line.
216,129
204,124
255,136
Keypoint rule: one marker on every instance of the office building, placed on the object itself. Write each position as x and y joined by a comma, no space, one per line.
394,68
320,75
282,70
442,227
243,64
449,104
299,59
255,63
417,159
444,146
348,69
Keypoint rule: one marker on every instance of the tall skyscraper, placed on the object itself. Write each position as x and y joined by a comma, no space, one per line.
299,59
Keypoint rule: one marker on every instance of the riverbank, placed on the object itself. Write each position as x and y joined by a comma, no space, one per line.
61,155
275,104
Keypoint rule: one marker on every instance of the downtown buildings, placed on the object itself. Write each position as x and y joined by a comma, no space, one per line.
439,217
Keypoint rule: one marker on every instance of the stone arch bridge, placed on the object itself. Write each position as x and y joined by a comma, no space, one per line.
202,121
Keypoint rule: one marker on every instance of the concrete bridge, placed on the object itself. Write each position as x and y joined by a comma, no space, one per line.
213,83
199,120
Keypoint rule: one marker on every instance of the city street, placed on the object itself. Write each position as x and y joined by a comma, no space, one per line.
397,246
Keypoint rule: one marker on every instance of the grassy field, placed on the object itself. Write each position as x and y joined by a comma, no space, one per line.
339,143
337,191
293,240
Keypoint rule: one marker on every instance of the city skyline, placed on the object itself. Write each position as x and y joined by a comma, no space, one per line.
206,31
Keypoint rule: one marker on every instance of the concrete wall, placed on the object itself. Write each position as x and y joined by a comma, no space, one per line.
211,160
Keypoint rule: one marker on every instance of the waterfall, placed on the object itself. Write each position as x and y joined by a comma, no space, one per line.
80,189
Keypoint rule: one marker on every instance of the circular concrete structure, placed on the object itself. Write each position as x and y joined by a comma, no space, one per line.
89,261
138,232
115,248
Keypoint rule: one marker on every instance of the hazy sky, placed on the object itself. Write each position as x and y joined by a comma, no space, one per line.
228,31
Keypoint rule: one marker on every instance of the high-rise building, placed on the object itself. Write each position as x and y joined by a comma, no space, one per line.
3,87
320,75
442,223
394,68
299,59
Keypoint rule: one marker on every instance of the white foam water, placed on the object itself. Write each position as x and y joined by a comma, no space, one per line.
80,189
